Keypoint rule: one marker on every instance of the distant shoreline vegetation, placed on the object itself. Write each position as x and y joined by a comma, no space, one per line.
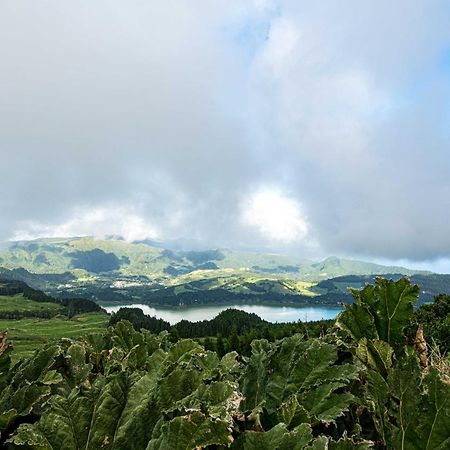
244,302
175,302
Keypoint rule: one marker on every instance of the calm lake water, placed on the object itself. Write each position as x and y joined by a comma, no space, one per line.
269,313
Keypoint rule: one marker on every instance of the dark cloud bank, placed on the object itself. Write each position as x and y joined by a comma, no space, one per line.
197,119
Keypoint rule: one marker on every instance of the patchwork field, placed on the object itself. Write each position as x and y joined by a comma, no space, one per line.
18,303
30,333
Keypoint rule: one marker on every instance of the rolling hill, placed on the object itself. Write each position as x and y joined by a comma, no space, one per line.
119,271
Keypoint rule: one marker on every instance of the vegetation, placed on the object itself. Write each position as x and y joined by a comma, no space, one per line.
33,318
365,384
95,261
435,320
150,258
31,333
117,271
230,330
430,284
20,306
49,305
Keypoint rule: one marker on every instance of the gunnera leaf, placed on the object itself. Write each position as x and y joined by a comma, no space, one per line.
422,408
380,311
191,431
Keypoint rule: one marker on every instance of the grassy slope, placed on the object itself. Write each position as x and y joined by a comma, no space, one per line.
30,333
145,267
54,256
57,254
20,304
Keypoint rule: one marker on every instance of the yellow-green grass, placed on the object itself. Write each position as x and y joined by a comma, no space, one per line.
20,303
30,333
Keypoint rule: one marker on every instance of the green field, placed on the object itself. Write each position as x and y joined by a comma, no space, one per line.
20,304
29,334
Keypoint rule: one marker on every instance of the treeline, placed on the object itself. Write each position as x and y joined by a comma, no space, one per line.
230,330
169,297
223,323
431,284
139,320
16,315
234,330
435,319
242,342
70,306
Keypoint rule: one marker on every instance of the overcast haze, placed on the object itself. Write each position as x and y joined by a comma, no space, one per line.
314,127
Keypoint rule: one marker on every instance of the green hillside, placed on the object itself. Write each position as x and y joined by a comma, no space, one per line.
86,255
119,271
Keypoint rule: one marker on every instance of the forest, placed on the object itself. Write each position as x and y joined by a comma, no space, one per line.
69,306
377,378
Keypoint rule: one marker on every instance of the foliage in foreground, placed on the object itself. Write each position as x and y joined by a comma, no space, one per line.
361,387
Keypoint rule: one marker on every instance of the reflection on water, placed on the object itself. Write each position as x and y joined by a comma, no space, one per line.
269,313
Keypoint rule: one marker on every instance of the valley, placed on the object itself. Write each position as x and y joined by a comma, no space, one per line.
115,271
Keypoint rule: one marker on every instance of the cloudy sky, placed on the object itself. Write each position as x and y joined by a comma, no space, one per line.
314,127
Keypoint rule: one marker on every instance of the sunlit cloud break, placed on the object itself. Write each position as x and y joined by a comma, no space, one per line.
277,217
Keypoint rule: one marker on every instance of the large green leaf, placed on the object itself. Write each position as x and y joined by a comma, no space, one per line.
422,410
5,359
357,320
295,367
300,438
219,400
28,386
393,308
278,438
375,354
86,419
381,311
189,432
77,368
132,343
292,413
254,378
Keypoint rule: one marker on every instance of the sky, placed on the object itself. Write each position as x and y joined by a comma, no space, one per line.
306,127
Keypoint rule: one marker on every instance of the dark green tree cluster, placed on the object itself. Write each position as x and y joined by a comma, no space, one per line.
230,330
71,306
16,315
139,320
435,319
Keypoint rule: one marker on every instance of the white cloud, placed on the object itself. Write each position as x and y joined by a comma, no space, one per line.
98,222
277,217
160,118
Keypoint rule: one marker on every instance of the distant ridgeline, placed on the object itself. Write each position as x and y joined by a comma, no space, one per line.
331,291
431,285
169,297
113,270
194,292
69,306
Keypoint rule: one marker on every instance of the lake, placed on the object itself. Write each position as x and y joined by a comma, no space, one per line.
204,312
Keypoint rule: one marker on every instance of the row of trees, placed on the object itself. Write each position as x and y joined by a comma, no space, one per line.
70,306
234,330
230,330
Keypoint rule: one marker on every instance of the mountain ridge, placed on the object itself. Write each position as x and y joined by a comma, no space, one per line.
57,255
115,270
